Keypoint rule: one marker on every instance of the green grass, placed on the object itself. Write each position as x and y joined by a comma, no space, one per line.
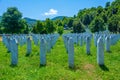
67,31
86,66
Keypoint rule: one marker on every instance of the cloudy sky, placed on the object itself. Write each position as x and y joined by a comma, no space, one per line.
41,9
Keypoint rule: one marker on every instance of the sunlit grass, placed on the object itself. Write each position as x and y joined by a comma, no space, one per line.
86,67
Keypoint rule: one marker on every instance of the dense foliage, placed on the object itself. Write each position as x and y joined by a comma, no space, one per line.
12,21
95,18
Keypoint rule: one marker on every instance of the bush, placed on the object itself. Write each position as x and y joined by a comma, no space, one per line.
60,30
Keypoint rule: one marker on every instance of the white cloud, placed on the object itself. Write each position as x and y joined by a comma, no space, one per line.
51,12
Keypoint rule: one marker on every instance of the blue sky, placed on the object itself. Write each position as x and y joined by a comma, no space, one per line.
41,9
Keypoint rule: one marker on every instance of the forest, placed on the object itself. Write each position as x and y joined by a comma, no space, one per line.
95,19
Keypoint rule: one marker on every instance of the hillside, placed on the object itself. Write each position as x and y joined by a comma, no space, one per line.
58,17
0,18
30,21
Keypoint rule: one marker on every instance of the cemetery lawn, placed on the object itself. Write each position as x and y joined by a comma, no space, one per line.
86,67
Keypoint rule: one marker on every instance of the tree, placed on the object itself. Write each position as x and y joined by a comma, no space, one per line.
78,27
65,22
114,23
87,18
58,22
1,28
39,28
60,30
99,9
107,4
70,23
50,28
28,28
97,25
12,21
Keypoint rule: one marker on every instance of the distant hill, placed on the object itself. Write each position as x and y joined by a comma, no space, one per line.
0,18
30,21
58,17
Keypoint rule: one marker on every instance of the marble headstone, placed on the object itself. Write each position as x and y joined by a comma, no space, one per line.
107,44
29,46
14,52
71,52
88,45
43,52
100,51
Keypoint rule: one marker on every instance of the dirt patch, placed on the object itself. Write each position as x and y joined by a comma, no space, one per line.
89,68
0,38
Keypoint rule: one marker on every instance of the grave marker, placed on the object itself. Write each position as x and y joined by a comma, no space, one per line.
100,51
71,52
14,54
29,46
88,45
43,52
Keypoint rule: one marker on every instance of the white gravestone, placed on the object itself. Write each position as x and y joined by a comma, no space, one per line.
14,54
43,52
71,52
29,46
107,44
88,45
100,51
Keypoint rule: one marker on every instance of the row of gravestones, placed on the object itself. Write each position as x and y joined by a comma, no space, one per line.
46,44
102,39
79,39
112,37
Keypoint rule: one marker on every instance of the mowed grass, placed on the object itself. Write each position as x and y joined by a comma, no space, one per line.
86,67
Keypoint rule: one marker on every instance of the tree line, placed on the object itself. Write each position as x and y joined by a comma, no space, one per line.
95,19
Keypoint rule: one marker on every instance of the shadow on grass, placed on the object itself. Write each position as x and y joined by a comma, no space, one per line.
104,67
73,68
41,65
109,51
89,54
8,51
13,65
27,54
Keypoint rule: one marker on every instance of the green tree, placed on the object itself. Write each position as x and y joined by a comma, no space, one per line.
107,4
1,28
50,28
99,9
58,22
114,23
12,21
39,28
70,23
60,30
87,18
78,27
97,25
65,21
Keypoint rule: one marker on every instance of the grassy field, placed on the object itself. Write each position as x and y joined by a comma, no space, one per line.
86,67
